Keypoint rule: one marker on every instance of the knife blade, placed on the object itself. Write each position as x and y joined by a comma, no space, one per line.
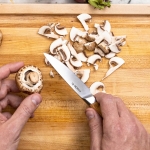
75,83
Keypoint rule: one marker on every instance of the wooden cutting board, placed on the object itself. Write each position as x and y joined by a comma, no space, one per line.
60,121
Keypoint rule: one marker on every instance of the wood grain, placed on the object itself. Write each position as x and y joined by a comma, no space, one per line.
60,121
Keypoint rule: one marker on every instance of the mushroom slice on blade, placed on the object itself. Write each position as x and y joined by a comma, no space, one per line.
55,44
83,74
95,86
93,58
1,37
83,18
114,64
29,79
61,30
75,62
90,46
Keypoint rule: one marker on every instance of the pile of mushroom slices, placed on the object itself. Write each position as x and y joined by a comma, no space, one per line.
73,53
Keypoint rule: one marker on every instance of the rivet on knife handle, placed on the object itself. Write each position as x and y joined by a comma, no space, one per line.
96,107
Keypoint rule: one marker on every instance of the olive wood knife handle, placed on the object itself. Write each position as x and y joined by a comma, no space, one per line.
96,107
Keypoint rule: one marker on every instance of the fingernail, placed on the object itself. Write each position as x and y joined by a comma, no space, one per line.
36,99
89,114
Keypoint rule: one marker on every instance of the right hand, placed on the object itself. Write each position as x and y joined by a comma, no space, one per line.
118,128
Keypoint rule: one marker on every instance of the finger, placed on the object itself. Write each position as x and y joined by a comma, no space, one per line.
108,106
7,115
8,86
123,111
12,100
6,70
95,124
25,111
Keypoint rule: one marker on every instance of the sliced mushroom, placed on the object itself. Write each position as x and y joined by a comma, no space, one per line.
90,46
29,79
114,64
1,37
83,18
100,30
96,66
99,39
82,57
89,37
93,58
64,52
70,66
48,32
75,62
75,32
55,44
107,26
72,50
110,55
95,86
61,30
104,46
114,48
83,74
99,51
107,37
79,45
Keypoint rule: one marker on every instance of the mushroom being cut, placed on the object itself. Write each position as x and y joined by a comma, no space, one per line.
114,64
29,79
83,18
94,88
1,37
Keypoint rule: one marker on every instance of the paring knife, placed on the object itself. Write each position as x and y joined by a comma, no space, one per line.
75,83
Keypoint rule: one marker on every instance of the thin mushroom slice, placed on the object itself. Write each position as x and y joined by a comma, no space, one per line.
83,18
90,46
94,88
75,62
70,66
47,31
110,55
81,56
114,64
1,37
29,79
107,26
83,74
61,30
55,44
100,30
72,50
114,48
75,32
93,58
99,51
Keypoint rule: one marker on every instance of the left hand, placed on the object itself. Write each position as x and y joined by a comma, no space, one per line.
12,125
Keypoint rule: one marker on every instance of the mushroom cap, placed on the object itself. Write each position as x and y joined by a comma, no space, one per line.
29,79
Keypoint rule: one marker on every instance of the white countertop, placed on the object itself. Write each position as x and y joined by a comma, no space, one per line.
72,1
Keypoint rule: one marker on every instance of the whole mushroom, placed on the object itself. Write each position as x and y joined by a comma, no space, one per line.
29,79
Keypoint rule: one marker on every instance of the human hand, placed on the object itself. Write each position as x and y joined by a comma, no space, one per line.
118,128
11,126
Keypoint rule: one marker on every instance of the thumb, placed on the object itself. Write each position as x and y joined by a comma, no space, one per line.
25,111
95,124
